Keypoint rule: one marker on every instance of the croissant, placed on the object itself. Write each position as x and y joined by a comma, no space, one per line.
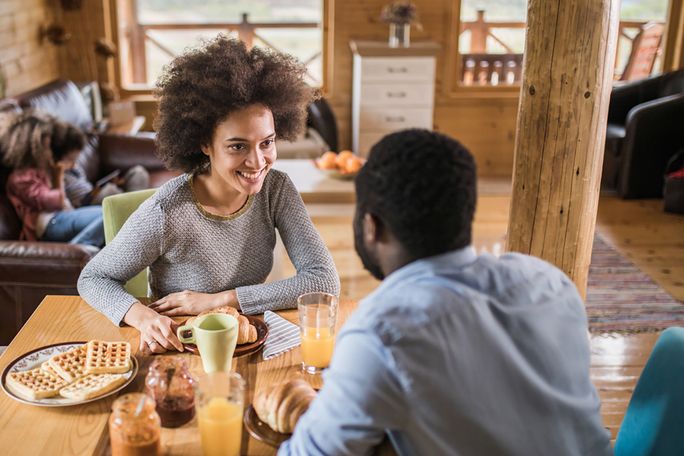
282,405
247,332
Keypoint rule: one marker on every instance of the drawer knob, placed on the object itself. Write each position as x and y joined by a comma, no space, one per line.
395,119
396,94
397,70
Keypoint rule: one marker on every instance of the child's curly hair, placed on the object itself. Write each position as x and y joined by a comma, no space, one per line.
23,138
200,88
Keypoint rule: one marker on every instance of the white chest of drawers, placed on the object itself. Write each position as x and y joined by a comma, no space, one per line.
393,89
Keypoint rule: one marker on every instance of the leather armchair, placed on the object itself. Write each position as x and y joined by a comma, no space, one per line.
644,130
31,270
322,119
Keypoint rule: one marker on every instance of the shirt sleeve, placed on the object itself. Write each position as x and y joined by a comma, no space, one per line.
136,246
360,400
76,186
311,259
37,193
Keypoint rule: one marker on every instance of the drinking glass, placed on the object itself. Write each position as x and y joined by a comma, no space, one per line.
317,315
220,401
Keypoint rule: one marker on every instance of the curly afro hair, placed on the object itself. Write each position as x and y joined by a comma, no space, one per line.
202,87
422,185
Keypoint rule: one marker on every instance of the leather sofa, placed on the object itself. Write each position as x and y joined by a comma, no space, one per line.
644,130
31,270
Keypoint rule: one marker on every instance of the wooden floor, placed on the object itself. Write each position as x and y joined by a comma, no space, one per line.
652,239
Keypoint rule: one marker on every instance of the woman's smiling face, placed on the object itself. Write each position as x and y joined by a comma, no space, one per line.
243,149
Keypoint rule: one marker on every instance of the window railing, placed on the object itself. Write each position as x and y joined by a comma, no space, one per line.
479,67
136,39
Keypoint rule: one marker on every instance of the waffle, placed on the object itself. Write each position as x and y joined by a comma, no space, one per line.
35,383
70,365
47,368
107,357
92,385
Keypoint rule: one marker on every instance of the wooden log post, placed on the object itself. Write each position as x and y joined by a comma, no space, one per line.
568,70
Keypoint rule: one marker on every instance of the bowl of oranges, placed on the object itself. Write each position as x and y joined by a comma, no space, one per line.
344,165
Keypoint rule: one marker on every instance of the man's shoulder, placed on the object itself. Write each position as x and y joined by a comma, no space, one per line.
527,270
423,299
390,312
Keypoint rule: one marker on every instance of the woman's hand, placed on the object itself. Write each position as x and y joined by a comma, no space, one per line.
157,332
192,303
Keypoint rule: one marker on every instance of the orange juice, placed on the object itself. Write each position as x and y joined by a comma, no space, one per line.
317,346
220,424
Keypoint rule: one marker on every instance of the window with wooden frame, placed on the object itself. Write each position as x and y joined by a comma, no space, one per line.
488,42
151,32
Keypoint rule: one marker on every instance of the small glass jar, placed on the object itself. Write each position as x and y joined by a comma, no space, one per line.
170,384
134,426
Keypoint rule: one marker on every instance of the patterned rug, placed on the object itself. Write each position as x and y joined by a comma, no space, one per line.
622,298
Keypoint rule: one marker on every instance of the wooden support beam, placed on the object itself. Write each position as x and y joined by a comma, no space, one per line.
568,70
673,57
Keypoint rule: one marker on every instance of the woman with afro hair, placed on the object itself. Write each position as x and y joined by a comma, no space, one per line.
208,235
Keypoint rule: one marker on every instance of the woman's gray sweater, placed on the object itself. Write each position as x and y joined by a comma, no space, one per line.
187,248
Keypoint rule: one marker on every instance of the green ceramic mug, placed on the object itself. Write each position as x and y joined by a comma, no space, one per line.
215,336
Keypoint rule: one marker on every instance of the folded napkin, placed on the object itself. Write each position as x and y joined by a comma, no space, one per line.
282,335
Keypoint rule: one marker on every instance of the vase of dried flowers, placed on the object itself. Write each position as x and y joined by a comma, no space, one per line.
399,16
399,35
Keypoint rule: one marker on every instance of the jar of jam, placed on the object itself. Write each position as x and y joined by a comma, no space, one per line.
134,426
170,384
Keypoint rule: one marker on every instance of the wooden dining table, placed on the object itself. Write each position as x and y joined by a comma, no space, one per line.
83,429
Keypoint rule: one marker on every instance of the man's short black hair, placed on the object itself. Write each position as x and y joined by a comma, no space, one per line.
422,185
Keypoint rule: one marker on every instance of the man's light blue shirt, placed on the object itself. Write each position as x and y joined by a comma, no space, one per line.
460,354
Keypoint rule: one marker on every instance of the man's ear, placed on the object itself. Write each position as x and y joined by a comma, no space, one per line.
373,228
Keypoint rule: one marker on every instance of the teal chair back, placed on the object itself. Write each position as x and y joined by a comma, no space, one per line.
653,423
115,211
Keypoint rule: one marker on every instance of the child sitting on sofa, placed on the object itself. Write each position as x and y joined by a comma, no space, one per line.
82,192
36,186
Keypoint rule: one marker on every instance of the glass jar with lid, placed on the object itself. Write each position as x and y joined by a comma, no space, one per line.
134,426
170,384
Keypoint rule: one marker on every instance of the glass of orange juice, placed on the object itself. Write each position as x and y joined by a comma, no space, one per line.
219,399
317,315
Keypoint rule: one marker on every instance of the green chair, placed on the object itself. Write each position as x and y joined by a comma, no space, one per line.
115,211
653,422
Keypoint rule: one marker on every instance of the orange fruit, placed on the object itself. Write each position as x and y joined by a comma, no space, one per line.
328,161
342,158
353,165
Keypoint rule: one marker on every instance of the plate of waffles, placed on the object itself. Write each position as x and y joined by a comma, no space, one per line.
69,373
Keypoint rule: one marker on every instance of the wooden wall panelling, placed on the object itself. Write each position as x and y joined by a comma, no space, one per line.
486,125
78,60
483,124
26,60
360,19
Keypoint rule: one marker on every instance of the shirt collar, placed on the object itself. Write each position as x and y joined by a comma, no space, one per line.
454,259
